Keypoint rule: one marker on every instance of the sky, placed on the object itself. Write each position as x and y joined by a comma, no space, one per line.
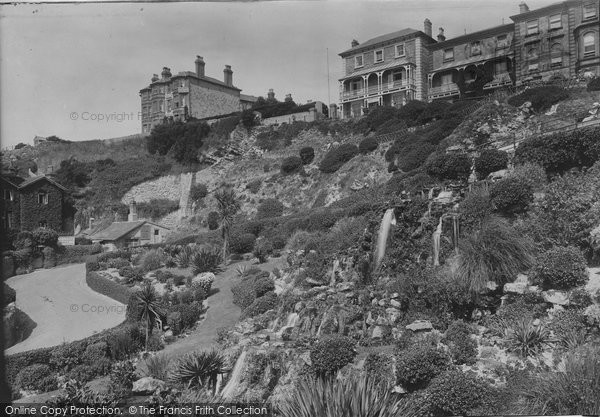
75,70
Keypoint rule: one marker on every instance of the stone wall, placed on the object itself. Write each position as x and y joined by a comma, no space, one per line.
167,187
306,116
205,102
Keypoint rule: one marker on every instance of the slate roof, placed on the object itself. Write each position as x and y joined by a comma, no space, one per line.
119,229
21,183
383,38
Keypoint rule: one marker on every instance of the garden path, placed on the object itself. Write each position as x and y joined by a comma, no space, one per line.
63,306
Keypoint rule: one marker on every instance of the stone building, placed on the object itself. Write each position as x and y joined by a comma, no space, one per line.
35,202
560,40
190,94
387,70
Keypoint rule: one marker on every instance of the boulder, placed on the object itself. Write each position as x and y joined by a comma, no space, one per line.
147,385
382,303
420,325
377,333
556,297
395,303
392,314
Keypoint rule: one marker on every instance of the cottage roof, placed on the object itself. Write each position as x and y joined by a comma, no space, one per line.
119,229
33,180
246,97
404,33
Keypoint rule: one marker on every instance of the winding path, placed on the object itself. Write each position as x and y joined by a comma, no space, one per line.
63,306
221,311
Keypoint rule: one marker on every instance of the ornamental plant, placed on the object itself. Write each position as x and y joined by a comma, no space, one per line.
561,268
418,365
337,157
307,155
331,354
511,195
490,160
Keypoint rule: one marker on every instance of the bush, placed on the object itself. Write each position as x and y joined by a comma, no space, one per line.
594,84
367,145
463,348
36,377
418,365
268,140
532,174
335,158
198,191
44,236
448,166
24,240
262,249
541,98
378,366
490,160
152,260
206,260
205,282
270,208
260,305
331,354
474,209
241,243
560,268
189,314
107,287
213,220
291,164
254,186
9,294
125,341
307,155
511,195
64,357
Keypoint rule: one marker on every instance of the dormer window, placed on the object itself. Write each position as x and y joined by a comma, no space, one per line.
379,56
400,50
532,27
555,21
358,61
449,54
589,11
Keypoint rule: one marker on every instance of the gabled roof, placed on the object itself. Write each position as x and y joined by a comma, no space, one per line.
479,35
33,180
191,74
119,229
404,33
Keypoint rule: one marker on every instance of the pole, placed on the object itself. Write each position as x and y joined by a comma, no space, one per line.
328,89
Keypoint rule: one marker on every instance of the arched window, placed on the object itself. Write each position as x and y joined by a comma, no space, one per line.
589,44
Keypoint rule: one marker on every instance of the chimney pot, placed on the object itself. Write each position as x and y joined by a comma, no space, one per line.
271,94
427,27
523,7
133,215
228,75
154,77
200,66
354,43
440,36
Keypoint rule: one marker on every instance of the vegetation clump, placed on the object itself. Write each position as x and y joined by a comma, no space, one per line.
490,160
541,98
331,354
560,268
337,157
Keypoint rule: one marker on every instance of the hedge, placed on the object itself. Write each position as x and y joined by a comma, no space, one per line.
108,287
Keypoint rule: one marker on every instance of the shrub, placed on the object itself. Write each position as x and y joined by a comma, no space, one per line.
291,164
205,282
24,240
335,158
378,366
152,260
331,354
157,208
368,145
307,155
64,357
9,294
448,166
262,249
594,84
260,305
206,260
254,186
125,341
241,242
198,369
198,191
270,208
44,236
454,393
463,348
560,268
268,140
117,263
96,352
541,98
474,209
107,287
213,220
511,195
526,338
566,322
36,377
156,366
490,160
418,365
189,314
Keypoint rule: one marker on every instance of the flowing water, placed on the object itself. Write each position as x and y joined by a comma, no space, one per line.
436,243
236,376
292,320
384,230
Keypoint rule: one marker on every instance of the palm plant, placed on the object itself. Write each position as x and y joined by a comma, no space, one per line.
150,308
357,396
206,260
526,338
497,252
199,369
229,205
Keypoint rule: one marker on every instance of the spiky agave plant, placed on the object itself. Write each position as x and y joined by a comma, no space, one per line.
497,252
206,260
356,396
199,369
184,257
526,338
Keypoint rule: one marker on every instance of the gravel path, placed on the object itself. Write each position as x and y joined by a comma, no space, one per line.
63,306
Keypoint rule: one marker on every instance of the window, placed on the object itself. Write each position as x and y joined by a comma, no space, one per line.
500,67
476,48
379,56
156,232
589,11
532,27
446,79
9,195
354,85
532,54
556,21
449,54
589,44
358,61
501,41
533,67
400,50
42,198
397,76
556,55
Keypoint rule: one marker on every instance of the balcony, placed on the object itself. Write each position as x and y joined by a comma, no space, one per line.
499,80
443,90
374,90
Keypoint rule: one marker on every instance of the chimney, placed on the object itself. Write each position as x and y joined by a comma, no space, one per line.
523,7
288,97
354,43
440,36
199,66
154,78
228,75
427,27
166,73
133,216
271,94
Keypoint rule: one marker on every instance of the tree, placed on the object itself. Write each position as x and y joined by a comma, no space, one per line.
229,205
149,308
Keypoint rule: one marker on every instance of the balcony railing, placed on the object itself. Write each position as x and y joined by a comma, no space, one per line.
444,90
499,79
373,90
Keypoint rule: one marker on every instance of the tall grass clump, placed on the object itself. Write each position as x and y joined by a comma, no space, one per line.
156,366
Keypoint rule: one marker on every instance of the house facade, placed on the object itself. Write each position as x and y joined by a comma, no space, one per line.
35,202
560,40
190,94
